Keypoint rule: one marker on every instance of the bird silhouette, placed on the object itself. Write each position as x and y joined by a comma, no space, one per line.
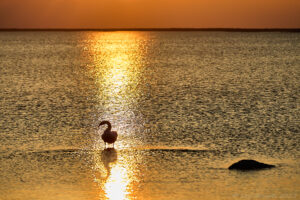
108,136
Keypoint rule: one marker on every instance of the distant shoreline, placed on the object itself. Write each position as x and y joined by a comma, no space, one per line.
164,29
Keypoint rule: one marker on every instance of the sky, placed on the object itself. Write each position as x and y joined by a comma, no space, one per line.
149,14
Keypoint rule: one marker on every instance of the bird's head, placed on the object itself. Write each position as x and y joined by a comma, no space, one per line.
104,122
101,123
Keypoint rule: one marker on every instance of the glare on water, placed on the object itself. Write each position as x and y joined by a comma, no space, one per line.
185,105
117,71
117,75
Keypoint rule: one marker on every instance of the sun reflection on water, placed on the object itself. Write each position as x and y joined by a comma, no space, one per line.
114,176
118,72
117,183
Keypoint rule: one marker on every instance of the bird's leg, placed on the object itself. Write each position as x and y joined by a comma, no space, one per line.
105,145
113,145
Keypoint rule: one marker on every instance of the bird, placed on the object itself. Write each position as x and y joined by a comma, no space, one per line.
108,136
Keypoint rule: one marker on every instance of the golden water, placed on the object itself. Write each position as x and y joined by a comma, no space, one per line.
186,105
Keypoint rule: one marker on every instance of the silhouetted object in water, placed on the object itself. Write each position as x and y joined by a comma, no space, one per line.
249,165
108,156
108,136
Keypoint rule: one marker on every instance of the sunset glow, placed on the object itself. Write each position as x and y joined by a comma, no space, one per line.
210,114
150,14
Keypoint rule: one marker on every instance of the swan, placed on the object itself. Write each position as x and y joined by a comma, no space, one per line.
108,136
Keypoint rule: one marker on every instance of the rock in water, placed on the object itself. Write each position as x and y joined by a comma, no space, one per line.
249,165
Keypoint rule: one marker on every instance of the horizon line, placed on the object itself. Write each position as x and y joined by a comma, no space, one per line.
158,29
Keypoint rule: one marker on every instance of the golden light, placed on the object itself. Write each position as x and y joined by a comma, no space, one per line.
117,183
114,176
117,71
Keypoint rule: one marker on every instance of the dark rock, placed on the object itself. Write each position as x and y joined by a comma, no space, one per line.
249,165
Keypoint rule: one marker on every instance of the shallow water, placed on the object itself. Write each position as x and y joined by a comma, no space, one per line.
186,105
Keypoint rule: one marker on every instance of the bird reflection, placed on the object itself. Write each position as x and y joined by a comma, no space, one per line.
108,155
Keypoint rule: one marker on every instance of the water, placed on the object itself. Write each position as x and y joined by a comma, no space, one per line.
186,105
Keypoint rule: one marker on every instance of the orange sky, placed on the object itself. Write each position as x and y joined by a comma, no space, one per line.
149,13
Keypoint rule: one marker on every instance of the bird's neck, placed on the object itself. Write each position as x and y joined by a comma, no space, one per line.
108,128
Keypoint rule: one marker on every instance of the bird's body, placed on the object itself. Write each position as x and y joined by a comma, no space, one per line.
108,136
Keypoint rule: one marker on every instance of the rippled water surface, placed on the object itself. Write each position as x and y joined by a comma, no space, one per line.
186,105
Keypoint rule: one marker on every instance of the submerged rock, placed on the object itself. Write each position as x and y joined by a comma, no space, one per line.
249,165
